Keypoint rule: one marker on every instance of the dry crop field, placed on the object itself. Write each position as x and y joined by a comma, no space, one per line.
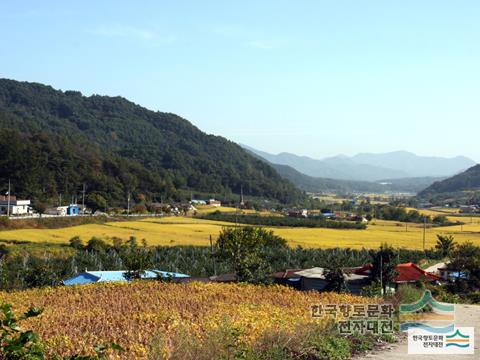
77,318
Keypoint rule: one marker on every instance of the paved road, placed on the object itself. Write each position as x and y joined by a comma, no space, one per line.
434,268
465,315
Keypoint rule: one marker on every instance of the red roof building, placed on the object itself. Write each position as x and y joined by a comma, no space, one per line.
408,272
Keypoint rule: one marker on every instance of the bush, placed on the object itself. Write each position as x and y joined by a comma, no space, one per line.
372,290
408,294
332,348
76,243
361,343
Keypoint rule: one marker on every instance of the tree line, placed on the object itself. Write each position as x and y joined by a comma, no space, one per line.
284,221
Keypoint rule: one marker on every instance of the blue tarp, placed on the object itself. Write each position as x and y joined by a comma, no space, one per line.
90,277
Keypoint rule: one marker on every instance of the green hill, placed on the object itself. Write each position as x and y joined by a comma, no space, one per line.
51,142
464,187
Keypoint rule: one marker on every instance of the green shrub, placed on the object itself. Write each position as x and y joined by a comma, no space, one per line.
361,343
332,348
407,294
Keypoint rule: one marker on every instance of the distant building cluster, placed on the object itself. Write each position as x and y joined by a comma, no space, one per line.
324,214
469,209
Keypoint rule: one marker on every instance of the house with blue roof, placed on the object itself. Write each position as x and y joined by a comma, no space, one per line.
91,277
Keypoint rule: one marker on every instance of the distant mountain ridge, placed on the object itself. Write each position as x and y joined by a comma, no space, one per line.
416,165
317,184
371,167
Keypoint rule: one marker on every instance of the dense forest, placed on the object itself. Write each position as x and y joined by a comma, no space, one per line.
52,142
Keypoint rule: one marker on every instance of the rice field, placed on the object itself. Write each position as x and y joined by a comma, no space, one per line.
172,231
452,214
75,319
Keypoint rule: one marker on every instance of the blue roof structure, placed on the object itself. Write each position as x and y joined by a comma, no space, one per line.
90,277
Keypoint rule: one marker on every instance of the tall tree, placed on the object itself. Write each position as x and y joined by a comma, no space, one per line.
336,278
385,261
246,249
445,244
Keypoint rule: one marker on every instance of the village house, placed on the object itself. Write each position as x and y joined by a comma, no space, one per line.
355,278
469,209
213,202
298,213
314,279
17,207
408,273
447,273
68,210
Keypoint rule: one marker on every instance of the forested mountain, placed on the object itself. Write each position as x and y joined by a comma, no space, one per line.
371,167
464,186
52,142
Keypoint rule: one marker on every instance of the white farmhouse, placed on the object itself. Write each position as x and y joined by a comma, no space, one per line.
17,207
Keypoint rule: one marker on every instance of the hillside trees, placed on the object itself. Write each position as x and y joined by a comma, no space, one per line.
63,140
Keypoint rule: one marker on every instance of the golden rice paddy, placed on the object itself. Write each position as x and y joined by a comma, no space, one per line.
172,231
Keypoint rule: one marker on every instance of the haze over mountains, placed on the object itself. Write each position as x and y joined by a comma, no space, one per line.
371,167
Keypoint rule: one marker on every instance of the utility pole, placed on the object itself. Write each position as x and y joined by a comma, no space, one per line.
242,203
60,200
83,199
214,261
381,272
128,204
8,199
424,231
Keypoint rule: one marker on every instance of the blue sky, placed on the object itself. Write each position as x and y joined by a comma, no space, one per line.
316,78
